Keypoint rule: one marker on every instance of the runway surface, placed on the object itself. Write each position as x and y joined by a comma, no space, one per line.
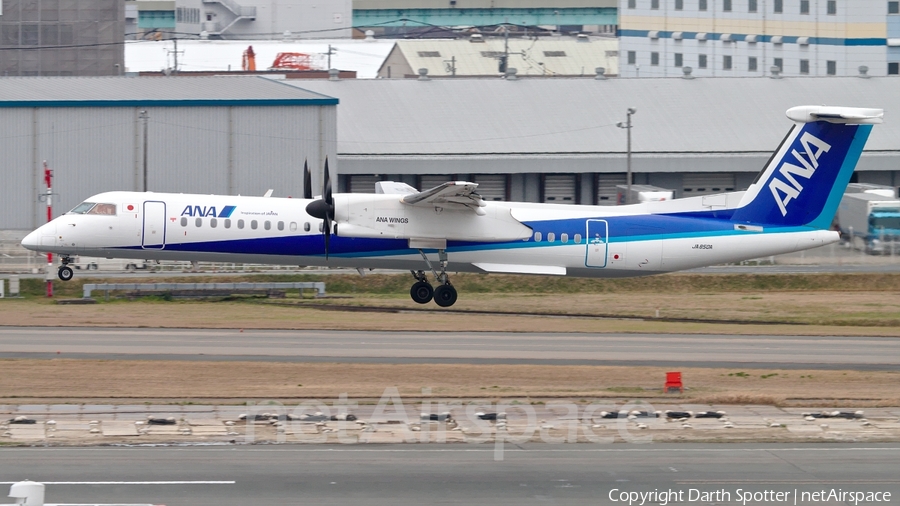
792,352
450,474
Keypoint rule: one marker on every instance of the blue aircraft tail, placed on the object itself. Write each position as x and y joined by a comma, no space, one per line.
803,182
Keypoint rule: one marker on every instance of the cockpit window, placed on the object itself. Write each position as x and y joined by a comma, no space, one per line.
82,208
107,209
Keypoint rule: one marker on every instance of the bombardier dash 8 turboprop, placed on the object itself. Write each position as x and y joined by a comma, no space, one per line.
788,208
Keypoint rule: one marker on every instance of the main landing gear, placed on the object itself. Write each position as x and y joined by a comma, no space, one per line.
65,272
444,294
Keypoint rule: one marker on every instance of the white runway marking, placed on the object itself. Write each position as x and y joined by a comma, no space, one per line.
129,482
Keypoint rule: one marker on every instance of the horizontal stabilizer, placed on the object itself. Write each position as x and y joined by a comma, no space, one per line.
831,114
550,270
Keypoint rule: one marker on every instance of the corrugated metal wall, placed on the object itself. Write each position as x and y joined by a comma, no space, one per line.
225,150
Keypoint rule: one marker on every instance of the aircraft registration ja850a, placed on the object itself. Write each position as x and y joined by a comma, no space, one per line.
788,208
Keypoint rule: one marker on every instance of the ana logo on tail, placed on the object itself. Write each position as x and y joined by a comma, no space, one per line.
791,188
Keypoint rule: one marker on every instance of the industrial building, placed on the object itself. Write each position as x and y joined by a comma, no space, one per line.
225,135
557,140
481,56
747,38
62,38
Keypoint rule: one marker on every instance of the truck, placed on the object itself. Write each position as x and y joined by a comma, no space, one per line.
643,193
870,222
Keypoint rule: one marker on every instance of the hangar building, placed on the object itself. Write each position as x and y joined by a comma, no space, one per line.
556,139
226,135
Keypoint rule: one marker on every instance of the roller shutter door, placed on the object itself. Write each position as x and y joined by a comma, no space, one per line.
707,183
606,188
363,183
559,188
491,186
429,181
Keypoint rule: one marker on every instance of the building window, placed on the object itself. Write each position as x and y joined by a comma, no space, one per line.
804,6
751,64
893,68
726,62
679,59
702,5
654,58
631,4
632,57
654,4
832,7
779,6
831,67
778,62
894,7
701,61
804,66
751,6
679,5
726,5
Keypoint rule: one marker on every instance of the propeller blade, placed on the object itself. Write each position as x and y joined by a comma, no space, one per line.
326,188
307,181
329,207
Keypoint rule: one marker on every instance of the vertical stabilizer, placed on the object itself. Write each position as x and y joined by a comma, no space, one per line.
804,180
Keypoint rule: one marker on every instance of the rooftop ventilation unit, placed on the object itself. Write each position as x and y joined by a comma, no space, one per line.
370,36
677,35
686,71
476,37
777,39
701,36
600,73
776,71
510,74
803,41
334,75
653,34
423,74
582,38
864,72
726,37
751,39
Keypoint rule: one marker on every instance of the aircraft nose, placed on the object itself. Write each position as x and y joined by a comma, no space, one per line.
32,241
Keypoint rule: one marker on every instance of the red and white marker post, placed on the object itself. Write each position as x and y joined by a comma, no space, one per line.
48,177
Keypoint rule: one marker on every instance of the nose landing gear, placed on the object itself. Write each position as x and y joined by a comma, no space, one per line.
444,294
65,272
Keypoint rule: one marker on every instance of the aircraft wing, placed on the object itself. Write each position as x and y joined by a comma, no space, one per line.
450,194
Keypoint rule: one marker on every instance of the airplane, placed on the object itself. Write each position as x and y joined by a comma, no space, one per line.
789,207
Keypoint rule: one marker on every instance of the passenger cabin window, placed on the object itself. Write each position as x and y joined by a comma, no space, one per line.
267,225
198,222
306,227
183,221
293,226
564,237
227,223
253,224
537,237
240,223
280,225
577,238
551,237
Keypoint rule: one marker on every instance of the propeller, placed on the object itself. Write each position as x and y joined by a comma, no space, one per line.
323,208
307,181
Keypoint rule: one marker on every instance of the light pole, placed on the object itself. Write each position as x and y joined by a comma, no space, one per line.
144,118
627,126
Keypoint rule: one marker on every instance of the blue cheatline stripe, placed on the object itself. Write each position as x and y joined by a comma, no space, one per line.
846,172
249,102
738,37
226,211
